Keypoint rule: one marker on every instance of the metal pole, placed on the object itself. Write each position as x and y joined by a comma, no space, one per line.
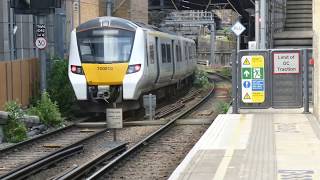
213,43
234,80
150,107
43,62
305,81
109,7
114,130
263,16
257,23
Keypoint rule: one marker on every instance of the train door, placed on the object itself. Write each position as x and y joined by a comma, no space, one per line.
173,58
152,59
165,61
157,48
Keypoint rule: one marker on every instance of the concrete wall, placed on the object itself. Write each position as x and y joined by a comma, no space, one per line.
316,55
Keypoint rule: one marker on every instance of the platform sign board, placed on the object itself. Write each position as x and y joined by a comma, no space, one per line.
253,79
114,118
286,62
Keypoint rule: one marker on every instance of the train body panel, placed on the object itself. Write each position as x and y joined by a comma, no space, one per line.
113,59
78,81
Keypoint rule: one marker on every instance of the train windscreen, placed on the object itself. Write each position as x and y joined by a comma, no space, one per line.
105,45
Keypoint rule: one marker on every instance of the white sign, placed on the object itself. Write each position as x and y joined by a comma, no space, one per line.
41,43
286,62
238,28
114,118
252,45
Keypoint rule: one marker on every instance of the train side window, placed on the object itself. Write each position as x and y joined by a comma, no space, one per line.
177,53
186,53
163,53
168,53
151,50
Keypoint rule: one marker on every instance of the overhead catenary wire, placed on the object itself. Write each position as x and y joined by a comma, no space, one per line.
174,5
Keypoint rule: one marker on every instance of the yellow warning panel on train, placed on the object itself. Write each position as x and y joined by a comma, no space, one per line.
252,79
105,74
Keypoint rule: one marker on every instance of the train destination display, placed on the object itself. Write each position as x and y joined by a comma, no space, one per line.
253,79
286,63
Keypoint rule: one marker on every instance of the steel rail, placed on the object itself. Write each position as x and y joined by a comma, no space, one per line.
145,141
28,169
18,145
82,170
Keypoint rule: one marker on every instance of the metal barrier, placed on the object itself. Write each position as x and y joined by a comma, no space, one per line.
277,78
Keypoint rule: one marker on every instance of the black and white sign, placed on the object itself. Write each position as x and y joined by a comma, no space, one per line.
114,118
41,30
238,28
286,63
41,43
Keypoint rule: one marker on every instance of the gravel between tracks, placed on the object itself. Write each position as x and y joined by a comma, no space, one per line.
94,147
159,158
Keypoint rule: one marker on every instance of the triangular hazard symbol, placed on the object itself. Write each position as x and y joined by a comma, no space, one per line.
246,62
247,96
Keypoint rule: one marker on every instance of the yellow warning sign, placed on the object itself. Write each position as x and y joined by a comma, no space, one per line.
258,97
246,62
246,96
257,62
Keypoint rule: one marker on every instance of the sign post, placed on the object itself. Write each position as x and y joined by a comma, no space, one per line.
114,120
253,79
237,29
41,44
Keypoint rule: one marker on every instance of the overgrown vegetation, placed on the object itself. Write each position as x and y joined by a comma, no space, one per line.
223,107
47,110
201,79
15,130
226,71
59,87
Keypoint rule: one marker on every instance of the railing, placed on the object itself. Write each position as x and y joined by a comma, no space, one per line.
276,18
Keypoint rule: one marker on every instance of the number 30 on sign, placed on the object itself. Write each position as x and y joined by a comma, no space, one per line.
41,43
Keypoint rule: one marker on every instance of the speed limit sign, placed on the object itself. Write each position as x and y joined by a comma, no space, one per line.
41,43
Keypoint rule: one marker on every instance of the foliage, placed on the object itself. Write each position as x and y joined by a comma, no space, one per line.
47,110
201,79
15,130
226,71
223,107
59,86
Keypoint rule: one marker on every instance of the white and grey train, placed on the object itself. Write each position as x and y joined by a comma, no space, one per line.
113,60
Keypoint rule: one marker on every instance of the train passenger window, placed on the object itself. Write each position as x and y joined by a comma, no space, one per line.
151,50
177,53
168,53
190,53
186,53
163,53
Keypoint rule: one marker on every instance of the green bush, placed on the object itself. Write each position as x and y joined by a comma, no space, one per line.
201,79
223,107
15,130
47,110
226,71
59,86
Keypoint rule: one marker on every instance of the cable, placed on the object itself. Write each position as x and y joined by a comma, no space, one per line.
233,8
208,4
174,5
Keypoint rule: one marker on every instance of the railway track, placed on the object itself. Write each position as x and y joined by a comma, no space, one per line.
157,156
83,158
104,166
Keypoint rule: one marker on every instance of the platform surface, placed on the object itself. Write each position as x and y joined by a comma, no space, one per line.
259,146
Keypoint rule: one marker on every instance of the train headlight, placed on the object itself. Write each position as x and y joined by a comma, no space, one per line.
133,68
76,69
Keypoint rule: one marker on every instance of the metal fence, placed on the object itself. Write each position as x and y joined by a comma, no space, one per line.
276,18
283,88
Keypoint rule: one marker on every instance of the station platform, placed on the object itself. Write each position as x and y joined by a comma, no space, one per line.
256,146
